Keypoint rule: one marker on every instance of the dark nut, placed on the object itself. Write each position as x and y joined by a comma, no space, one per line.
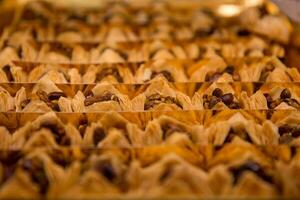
217,92
285,139
213,101
227,98
296,133
243,32
284,129
98,136
234,105
106,169
55,95
285,94
275,103
268,98
250,166
292,102
229,69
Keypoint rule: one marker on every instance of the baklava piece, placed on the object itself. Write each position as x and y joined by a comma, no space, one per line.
167,130
54,73
159,95
262,21
281,96
105,97
108,73
32,176
239,129
113,131
169,177
217,96
213,70
245,171
103,54
46,130
45,97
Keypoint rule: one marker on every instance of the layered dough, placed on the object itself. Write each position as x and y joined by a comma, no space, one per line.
147,99
267,69
154,20
65,52
167,128
168,171
159,94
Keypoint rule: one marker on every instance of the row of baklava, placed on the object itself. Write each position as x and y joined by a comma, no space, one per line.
115,130
230,171
46,96
267,69
260,19
117,12
114,33
26,50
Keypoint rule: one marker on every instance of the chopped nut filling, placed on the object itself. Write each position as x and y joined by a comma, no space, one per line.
209,101
50,99
288,133
58,133
105,97
253,167
229,69
62,49
38,175
98,135
285,96
157,99
170,128
106,169
107,72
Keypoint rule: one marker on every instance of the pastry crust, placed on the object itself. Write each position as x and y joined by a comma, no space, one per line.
148,99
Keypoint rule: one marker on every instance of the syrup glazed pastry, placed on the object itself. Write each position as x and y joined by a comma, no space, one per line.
60,173
116,130
268,69
62,52
157,20
159,94
250,46
113,13
57,52
148,99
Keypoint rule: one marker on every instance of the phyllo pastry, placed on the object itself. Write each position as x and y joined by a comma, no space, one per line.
238,127
105,97
273,96
244,170
109,73
31,176
268,21
159,95
287,127
47,130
